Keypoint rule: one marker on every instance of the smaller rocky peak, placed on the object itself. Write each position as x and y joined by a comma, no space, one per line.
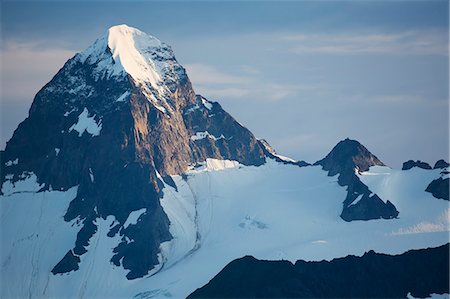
348,158
347,155
411,163
441,164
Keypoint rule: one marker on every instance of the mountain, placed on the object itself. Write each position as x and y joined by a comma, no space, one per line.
346,159
417,273
122,179
113,119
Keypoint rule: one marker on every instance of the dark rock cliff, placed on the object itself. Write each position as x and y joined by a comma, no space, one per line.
439,188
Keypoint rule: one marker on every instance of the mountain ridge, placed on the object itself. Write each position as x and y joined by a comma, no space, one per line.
373,275
126,149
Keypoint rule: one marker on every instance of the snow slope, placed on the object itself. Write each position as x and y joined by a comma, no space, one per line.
217,214
34,236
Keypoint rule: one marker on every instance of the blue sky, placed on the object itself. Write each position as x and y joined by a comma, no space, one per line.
302,74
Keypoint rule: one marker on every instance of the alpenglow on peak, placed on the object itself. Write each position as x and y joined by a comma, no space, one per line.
125,50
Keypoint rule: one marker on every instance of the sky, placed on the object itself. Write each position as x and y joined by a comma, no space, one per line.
300,74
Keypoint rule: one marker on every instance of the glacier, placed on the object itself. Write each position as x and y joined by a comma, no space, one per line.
218,212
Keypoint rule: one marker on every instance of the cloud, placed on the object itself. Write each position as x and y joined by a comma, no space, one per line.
432,42
245,81
26,68
384,99
208,74
221,92
250,70
441,225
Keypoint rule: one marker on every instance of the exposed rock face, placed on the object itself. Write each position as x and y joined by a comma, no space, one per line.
346,158
439,188
116,118
418,272
440,164
215,134
411,163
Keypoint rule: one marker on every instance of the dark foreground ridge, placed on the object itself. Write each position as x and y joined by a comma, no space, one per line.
346,158
374,275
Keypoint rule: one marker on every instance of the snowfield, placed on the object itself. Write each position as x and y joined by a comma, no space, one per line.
219,212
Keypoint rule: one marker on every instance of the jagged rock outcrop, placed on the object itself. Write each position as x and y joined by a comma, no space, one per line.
419,273
440,164
114,120
411,163
346,158
439,188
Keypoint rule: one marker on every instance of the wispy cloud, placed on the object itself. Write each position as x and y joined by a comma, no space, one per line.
441,225
245,81
247,69
385,99
431,42
221,92
26,68
208,74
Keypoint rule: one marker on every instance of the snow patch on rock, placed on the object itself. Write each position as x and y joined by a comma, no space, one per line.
12,162
123,96
91,175
206,103
205,134
133,217
86,123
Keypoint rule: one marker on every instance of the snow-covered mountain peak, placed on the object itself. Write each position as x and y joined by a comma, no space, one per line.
125,50
124,34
